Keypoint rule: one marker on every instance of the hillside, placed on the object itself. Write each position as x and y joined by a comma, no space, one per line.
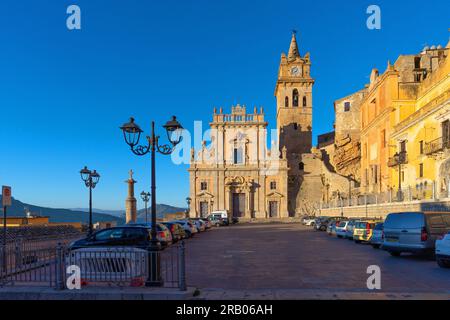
58,215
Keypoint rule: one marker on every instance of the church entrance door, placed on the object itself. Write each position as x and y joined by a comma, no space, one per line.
203,209
238,205
273,209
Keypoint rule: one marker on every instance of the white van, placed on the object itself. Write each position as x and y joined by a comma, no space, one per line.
219,218
223,213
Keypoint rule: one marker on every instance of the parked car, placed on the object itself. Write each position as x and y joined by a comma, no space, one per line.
177,231
341,229
162,232
377,235
349,229
305,219
311,221
127,236
199,224
322,224
414,232
208,223
362,232
331,229
443,251
189,228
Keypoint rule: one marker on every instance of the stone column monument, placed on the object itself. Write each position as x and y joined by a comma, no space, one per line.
130,202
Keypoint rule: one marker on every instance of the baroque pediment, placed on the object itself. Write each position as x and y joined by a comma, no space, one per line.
205,194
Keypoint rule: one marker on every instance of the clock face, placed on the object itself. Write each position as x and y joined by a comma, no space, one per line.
295,71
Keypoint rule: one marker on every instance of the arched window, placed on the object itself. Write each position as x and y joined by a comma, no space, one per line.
237,153
301,166
295,98
304,101
286,102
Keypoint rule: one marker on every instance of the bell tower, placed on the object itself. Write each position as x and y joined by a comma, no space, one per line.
293,92
294,120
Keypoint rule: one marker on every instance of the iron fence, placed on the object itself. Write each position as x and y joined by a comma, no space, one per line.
27,264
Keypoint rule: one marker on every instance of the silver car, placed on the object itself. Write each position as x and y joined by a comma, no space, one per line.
341,229
414,232
349,229
377,235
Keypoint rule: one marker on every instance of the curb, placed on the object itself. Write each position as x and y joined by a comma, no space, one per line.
45,293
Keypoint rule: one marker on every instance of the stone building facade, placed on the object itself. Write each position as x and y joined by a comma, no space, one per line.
236,172
422,126
400,114
346,157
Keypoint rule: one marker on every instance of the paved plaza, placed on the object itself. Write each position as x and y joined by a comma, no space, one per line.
293,257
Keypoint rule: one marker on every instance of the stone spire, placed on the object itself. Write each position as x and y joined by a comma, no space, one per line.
130,202
293,48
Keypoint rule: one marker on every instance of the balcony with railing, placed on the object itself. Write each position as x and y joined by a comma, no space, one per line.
436,146
398,159
238,115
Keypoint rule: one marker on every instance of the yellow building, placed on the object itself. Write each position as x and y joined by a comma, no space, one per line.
376,107
25,221
421,129
404,128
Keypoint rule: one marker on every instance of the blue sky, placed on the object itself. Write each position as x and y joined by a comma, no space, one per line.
63,94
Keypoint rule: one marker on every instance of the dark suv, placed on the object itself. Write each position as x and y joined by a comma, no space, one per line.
137,237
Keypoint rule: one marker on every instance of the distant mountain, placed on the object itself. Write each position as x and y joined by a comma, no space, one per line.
116,213
59,215
161,211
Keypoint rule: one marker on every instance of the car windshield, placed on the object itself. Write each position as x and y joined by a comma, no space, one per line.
361,225
109,234
342,224
404,220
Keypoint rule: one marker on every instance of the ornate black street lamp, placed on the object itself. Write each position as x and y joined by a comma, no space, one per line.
145,196
398,160
188,210
350,177
132,133
90,179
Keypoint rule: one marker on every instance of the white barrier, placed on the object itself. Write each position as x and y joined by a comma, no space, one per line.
109,264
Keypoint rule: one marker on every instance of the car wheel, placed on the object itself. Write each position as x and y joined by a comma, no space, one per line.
443,264
322,228
395,253
376,246
312,224
340,237
357,241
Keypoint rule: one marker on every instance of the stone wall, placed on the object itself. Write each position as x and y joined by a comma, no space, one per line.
382,210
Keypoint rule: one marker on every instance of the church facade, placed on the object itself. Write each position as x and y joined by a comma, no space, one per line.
236,172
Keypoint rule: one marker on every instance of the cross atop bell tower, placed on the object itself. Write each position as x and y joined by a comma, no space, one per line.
293,92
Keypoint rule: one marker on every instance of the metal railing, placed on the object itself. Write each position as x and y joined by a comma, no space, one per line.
30,265
436,145
401,158
422,191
